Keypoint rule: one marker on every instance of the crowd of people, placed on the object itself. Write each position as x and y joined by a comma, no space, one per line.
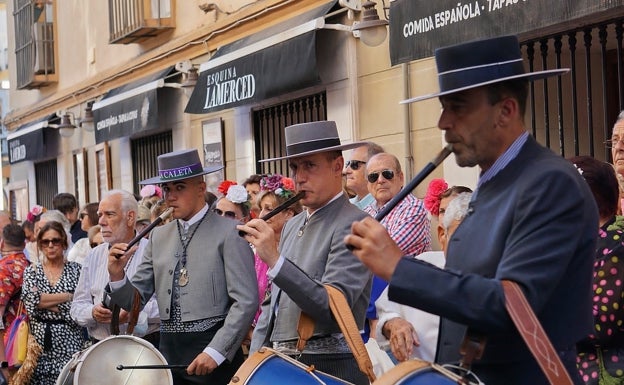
216,282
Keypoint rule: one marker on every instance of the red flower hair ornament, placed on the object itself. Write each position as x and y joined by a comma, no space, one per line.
225,186
432,197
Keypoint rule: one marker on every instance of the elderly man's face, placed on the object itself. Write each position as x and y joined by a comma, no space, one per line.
384,180
117,226
617,149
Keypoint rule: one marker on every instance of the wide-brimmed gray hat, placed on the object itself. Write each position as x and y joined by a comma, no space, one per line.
311,138
479,63
178,165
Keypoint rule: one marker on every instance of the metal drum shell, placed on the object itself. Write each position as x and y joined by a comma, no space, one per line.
97,365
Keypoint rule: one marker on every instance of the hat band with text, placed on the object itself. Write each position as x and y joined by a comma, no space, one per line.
181,172
303,147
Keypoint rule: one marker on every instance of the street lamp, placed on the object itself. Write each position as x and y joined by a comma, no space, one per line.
371,29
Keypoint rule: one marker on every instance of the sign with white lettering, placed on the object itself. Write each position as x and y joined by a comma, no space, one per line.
417,28
37,144
284,67
126,117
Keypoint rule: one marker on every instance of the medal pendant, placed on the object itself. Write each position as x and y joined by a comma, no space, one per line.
183,280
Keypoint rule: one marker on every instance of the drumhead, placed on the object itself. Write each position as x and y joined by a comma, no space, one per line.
99,363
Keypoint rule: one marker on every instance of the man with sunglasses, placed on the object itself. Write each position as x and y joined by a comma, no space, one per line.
355,173
532,220
407,224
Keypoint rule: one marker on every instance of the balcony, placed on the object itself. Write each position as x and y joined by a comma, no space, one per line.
135,21
34,44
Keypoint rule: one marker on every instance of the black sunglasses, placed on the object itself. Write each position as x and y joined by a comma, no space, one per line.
229,214
82,215
373,176
50,242
94,245
355,164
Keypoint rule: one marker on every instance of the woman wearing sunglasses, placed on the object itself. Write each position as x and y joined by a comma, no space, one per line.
47,294
235,204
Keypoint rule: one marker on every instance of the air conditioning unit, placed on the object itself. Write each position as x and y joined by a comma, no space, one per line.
43,39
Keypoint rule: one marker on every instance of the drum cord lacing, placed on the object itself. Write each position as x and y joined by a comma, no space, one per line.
449,371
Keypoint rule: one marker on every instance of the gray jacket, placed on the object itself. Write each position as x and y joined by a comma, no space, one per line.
319,256
222,278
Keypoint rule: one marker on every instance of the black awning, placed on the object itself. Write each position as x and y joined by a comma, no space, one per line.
129,109
417,28
33,141
273,62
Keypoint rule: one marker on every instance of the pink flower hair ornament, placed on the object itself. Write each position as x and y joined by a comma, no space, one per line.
432,197
278,184
35,212
150,190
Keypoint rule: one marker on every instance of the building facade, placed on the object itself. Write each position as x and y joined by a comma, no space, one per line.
103,87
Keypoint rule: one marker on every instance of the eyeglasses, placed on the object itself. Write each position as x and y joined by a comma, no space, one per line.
50,242
229,214
373,176
82,215
614,142
355,164
94,244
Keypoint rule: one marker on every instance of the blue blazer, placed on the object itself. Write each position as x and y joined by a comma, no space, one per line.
534,223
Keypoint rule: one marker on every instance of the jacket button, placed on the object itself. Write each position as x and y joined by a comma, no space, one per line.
170,272
167,311
169,291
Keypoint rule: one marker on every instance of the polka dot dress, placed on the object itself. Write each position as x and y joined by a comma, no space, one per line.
608,312
67,336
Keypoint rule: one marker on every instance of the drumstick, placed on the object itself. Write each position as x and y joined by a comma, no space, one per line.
147,229
278,209
122,367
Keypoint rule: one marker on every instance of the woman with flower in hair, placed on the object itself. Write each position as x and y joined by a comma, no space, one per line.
33,216
150,195
439,195
235,202
274,191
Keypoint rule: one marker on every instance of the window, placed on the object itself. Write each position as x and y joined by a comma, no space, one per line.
46,177
134,21
269,126
81,178
34,43
145,153
103,169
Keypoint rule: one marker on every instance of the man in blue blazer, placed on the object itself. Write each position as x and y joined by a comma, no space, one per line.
531,220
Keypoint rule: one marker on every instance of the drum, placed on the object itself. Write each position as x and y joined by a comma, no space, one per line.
268,367
416,372
98,364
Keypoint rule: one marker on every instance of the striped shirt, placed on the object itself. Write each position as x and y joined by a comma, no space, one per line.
407,224
93,278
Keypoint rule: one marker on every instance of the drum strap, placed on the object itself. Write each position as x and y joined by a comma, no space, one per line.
133,316
344,317
533,334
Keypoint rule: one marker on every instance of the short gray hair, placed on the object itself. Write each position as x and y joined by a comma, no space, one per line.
128,201
56,216
456,209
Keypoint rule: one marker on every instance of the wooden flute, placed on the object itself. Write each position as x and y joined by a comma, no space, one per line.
278,209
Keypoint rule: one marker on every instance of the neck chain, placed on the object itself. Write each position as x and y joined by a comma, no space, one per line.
183,279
